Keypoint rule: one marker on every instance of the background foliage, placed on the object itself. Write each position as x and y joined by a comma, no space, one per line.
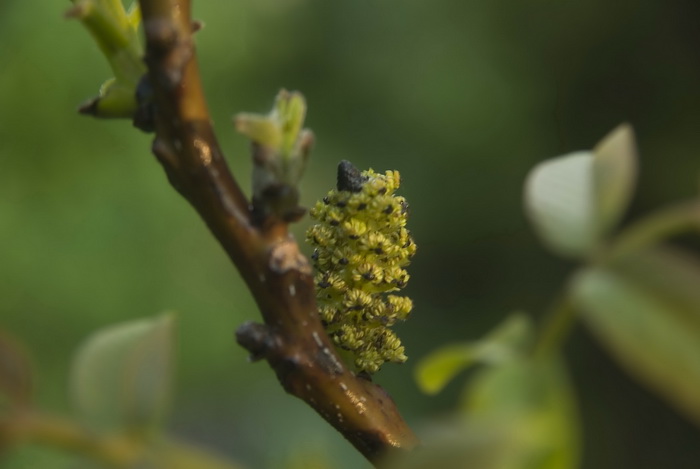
462,97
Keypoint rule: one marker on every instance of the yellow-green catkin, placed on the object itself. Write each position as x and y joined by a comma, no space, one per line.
362,248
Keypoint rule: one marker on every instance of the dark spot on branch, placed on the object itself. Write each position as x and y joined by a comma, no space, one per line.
256,338
145,115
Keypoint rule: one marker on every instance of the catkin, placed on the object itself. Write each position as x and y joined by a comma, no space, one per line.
361,249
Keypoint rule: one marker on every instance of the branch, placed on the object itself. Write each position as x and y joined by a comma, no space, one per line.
113,451
292,339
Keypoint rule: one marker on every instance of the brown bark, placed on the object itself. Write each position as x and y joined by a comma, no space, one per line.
292,339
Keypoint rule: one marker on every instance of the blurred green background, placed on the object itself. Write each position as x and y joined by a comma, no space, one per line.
462,97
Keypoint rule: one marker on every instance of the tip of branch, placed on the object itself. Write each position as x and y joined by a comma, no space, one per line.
89,108
79,10
197,25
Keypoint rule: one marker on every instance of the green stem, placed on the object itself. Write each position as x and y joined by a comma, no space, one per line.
108,24
650,230
556,328
113,451
669,222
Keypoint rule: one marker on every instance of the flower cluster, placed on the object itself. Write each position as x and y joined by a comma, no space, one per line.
362,247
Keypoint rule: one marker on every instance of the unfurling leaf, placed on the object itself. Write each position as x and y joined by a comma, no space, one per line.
507,341
646,309
121,375
614,175
115,31
281,149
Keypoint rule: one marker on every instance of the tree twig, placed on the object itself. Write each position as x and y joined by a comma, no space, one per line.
51,431
292,339
113,449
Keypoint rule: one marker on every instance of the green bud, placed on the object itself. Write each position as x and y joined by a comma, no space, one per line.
115,31
280,152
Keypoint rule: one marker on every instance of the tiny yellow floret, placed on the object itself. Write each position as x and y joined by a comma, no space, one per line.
361,250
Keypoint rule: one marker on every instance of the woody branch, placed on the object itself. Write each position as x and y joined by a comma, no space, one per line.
292,338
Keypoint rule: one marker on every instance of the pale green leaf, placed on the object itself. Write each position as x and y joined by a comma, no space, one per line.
121,375
459,445
290,108
436,370
518,415
646,310
534,401
261,129
575,199
615,173
559,200
503,343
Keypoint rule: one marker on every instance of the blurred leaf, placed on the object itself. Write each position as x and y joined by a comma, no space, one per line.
121,375
534,401
646,310
573,200
458,445
518,415
505,342
614,172
15,372
559,199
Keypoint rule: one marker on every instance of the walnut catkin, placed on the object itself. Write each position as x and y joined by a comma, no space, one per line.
362,248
